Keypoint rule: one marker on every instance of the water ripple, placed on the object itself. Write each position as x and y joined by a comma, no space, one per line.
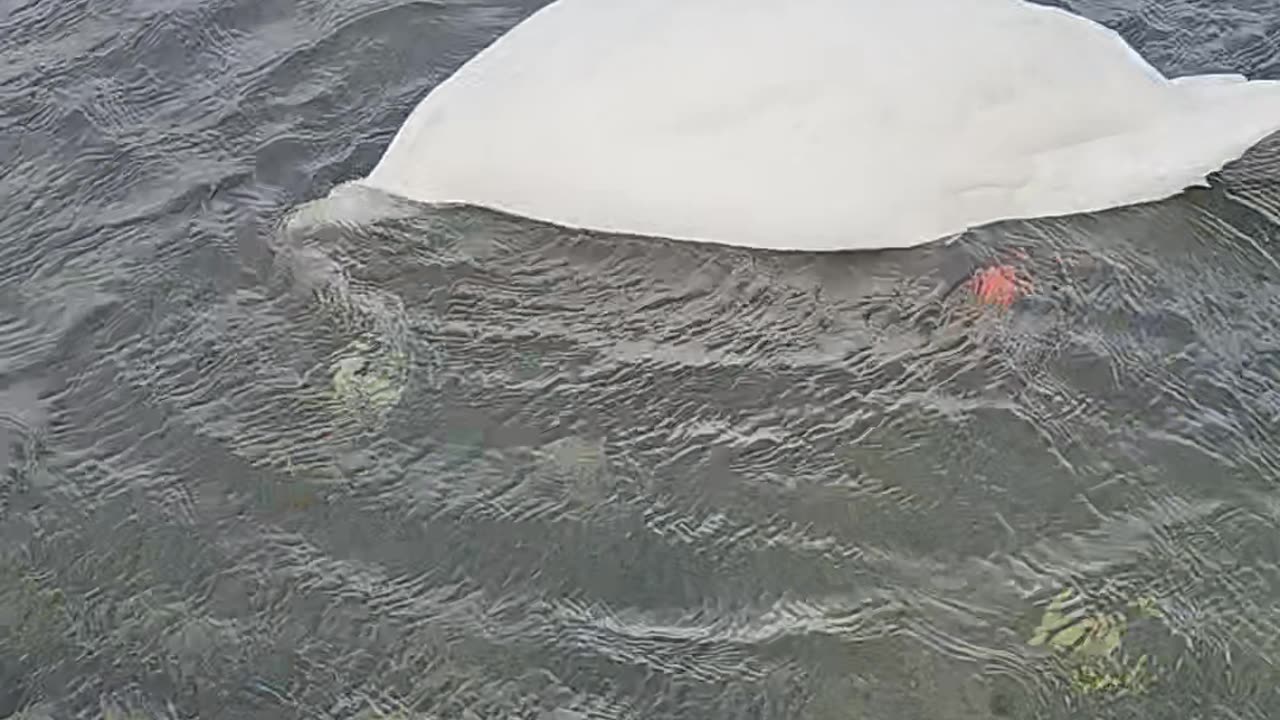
272,453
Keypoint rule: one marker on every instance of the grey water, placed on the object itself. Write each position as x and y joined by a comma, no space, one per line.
271,453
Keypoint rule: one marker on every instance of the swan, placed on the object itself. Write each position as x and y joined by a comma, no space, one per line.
815,125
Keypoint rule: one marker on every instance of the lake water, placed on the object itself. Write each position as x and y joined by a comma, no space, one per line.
273,454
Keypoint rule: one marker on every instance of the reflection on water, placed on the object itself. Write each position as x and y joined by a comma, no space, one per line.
272,456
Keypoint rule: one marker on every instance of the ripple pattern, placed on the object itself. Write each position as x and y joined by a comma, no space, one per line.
604,477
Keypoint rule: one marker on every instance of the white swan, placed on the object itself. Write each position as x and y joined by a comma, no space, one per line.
815,124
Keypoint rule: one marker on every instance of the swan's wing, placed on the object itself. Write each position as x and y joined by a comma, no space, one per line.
806,124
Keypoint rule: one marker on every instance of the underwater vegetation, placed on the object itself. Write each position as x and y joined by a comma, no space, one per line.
368,381
1090,643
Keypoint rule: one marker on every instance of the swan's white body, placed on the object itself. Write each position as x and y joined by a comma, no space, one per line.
815,124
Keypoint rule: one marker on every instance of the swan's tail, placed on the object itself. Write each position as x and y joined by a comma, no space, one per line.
1226,116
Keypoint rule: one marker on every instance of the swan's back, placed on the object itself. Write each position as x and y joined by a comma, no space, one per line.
815,124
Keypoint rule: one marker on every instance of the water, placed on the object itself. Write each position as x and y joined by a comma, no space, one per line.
269,456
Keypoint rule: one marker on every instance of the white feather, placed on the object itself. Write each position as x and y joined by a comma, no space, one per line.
815,124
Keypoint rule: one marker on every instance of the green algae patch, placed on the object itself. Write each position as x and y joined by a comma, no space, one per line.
368,379
1090,644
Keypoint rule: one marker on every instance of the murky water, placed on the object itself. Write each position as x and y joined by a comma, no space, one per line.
275,456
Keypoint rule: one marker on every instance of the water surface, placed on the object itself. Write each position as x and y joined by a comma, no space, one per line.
273,454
